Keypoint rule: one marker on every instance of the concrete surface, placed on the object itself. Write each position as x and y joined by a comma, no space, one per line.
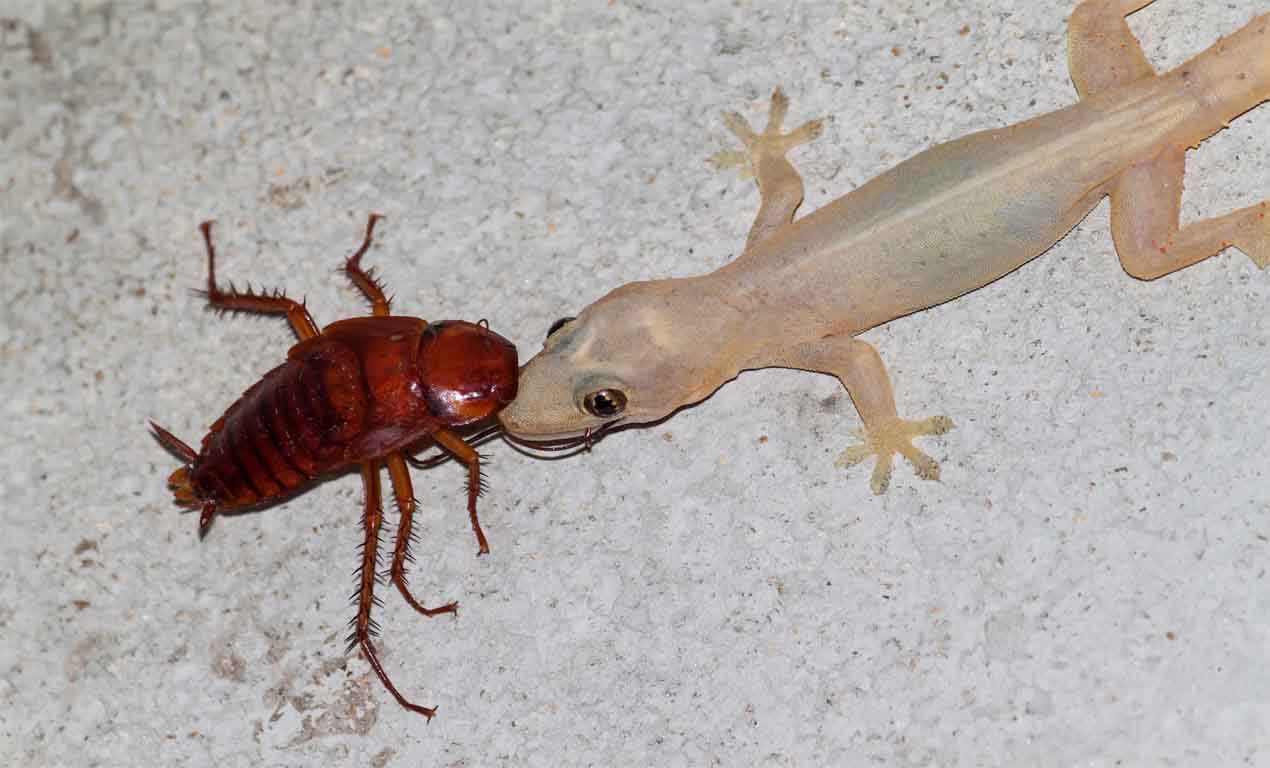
1086,586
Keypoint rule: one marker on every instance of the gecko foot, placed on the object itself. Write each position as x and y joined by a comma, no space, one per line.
770,141
890,439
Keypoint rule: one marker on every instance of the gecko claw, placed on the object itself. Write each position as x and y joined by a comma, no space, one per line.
890,439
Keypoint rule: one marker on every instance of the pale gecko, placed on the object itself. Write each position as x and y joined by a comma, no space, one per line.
938,225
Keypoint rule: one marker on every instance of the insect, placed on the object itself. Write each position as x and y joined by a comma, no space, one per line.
363,391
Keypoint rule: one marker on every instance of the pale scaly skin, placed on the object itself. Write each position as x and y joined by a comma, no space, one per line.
941,224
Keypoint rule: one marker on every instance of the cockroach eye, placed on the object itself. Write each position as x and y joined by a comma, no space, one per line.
556,325
605,403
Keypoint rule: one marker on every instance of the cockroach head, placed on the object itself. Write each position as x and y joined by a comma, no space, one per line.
468,372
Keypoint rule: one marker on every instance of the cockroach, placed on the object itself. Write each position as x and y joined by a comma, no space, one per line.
362,391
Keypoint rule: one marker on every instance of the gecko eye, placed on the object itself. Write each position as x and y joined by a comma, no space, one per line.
556,325
605,403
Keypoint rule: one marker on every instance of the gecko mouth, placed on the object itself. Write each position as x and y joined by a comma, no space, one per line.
561,447
549,449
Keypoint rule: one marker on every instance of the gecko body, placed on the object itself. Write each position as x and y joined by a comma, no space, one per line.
938,225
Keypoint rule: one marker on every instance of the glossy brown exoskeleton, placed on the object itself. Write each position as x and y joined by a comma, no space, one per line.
361,391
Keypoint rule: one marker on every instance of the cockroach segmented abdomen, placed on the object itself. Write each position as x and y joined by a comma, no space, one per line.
283,432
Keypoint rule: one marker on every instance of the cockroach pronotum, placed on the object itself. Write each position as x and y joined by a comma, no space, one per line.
362,391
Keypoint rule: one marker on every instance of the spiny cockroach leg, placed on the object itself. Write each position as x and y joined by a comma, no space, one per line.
363,626
475,486
365,279
403,490
276,304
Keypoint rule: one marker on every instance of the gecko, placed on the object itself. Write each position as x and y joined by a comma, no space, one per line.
939,225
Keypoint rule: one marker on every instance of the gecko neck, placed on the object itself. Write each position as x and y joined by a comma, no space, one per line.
765,315
730,322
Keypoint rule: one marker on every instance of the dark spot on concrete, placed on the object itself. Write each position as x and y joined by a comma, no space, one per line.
290,196
279,644
229,666
64,185
41,51
354,712
36,43
93,650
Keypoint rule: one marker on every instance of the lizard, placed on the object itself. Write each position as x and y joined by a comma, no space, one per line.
939,225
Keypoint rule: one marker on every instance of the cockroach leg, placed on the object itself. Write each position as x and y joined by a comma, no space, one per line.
205,517
364,628
266,303
475,483
365,279
403,490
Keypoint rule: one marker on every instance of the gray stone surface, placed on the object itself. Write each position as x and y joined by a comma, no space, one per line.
1086,586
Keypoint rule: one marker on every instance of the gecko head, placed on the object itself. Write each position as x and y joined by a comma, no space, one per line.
628,357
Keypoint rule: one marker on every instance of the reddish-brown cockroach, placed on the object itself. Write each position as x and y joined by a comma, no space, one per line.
360,391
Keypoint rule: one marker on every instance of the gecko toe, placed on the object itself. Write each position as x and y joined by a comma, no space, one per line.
812,129
777,111
852,456
728,158
935,425
740,127
880,480
925,467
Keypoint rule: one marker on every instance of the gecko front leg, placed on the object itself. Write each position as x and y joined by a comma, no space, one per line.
860,369
763,158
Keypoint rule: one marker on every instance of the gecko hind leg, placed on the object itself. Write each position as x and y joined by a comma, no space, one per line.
763,158
1146,198
1146,201
1102,52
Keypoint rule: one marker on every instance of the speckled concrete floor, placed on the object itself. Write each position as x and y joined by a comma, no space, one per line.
1086,586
